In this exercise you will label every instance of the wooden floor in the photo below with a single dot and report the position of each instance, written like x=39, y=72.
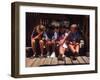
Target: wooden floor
x=36, y=62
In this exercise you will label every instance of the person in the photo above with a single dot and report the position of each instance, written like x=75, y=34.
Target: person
x=55, y=40
x=50, y=40
x=74, y=40
x=63, y=42
x=37, y=36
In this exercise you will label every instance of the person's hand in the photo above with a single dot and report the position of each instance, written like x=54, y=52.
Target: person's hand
x=71, y=43
x=77, y=43
x=41, y=33
x=66, y=34
x=49, y=42
x=38, y=37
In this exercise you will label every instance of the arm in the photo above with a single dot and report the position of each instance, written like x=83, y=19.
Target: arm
x=46, y=37
x=63, y=40
x=38, y=36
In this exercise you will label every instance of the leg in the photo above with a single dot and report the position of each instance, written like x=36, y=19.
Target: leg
x=53, y=45
x=61, y=50
x=61, y=53
x=48, y=45
x=33, y=46
x=41, y=46
x=72, y=48
x=77, y=48
x=53, y=49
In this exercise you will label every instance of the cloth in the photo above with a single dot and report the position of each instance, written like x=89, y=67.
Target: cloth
x=65, y=45
x=74, y=37
x=34, y=34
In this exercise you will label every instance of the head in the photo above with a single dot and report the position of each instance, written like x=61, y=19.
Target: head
x=50, y=29
x=73, y=28
x=62, y=29
x=40, y=28
x=67, y=29
x=56, y=29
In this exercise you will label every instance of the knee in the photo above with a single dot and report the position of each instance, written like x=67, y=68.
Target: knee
x=33, y=41
x=48, y=42
x=41, y=42
x=70, y=45
x=61, y=50
x=53, y=42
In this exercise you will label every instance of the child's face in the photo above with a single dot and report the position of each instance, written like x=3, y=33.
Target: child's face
x=73, y=28
x=67, y=30
x=38, y=31
x=62, y=30
x=56, y=29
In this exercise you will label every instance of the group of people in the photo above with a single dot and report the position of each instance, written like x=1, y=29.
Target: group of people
x=56, y=36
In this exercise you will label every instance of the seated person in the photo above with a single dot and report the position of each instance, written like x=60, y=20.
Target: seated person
x=56, y=40
x=74, y=40
x=62, y=43
x=51, y=37
x=37, y=35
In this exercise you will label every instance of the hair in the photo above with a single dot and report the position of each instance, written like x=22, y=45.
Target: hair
x=40, y=27
x=74, y=26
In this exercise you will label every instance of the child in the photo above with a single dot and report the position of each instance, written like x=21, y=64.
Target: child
x=62, y=43
x=37, y=35
x=50, y=41
x=74, y=39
